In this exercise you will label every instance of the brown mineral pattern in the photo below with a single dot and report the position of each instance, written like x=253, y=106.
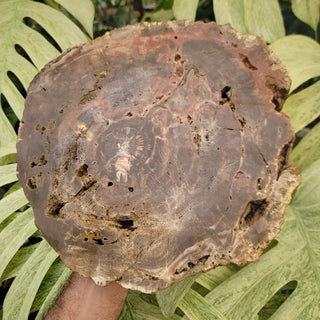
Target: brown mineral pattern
x=158, y=151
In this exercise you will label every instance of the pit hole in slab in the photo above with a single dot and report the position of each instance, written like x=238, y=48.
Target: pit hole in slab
x=197, y=140
x=279, y=94
x=232, y=107
x=254, y=211
x=130, y=189
x=98, y=241
x=242, y=122
x=129, y=114
x=31, y=183
x=95, y=237
x=150, y=277
x=61, y=109
x=72, y=154
x=54, y=206
x=178, y=271
x=91, y=94
x=34, y=181
x=225, y=95
x=200, y=261
x=179, y=71
x=126, y=224
x=277, y=300
x=283, y=157
x=276, y=103
x=40, y=128
x=203, y=259
x=40, y=162
x=82, y=171
x=247, y=62
x=189, y=119
x=177, y=57
x=90, y=184
x=110, y=184
x=51, y=125
x=260, y=184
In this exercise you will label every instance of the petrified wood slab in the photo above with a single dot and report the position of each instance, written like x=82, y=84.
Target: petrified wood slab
x=158, y=151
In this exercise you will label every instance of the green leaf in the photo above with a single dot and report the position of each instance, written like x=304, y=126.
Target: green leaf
x=51, y=287
x=11, y=203
x=169, y=299
x=8, y=174
x=82, y=10
x=14, y=235
x=15, y=187
x=8, y=136
x=163, y=4
x=303, y=107
x=300, y=55
x=185, y=9
x=162, y=15
x=22, y=292
x=257, y=17
x=264, y=19
x=295, y=258
x=230, y=11
x=137, y=308
x=17, y=262
x=213, y=278
x=54, y=293
x=308, y=11
x=196, y=307
x=127, y=312
x=15, y=32
x=308, y=149
x=8, y=153
x=279, y=298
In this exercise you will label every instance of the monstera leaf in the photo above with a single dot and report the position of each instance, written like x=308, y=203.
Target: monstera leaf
x=308, y=11
x=258, y=17
x=32, y=34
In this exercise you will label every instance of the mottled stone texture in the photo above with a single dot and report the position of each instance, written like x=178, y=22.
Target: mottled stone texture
x=158, y=151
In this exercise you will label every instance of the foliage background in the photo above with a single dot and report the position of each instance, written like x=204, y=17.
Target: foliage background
x=285, y=282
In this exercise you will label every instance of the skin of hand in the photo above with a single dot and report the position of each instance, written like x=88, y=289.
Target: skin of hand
x=83, y=299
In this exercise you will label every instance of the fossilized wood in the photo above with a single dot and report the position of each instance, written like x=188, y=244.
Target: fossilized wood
x=158, y=151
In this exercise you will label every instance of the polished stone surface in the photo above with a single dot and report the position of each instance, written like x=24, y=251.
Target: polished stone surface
x=158, y=151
